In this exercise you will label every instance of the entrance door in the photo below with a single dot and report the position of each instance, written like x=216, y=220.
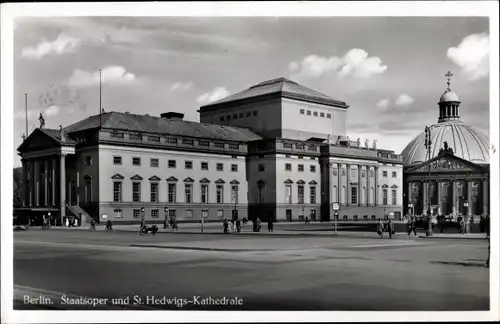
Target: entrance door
x=288, y=215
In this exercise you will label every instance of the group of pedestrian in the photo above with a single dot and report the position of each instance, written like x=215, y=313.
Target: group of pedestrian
x=233, y=225
x=387, y=226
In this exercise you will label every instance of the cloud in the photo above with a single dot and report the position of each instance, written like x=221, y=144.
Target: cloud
x=383, y=104
x=181, y=86
x=472, y=55
x=404, y=100
x=110, y=74
x=52, y=111
x=62, y=44
x=355, y=62
x=213, y=95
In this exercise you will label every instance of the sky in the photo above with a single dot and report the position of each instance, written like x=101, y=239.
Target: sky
x=390, y=71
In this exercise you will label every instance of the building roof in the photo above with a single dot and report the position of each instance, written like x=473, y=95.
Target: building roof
x=55, y=134
x=466, y=142
x=284, y=87
x=159, y=125
x=449, y=96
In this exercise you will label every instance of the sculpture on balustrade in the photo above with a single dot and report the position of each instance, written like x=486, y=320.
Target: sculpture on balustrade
x=374, y=144
x=41, y=120
x=366, y=143
x=337, y=141
x=358, y=142
x=445, y=149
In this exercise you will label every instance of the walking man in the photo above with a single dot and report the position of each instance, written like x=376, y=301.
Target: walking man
x=390, y=228
x=380, y=228
x=258, y=224
x=225, y=226
x=238, y=226
x=270, y=224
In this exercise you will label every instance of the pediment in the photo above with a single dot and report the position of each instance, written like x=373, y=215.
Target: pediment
x=154, y=178
x=288, y=181
x=205, y=180
x=136, y=177
x=172, y=179
x=446, y=163
x=313, y=182
x=234, y=182
x=219, y=181
x=189, y=179
x=38, y=140
x=118, y=177
x=301, y=182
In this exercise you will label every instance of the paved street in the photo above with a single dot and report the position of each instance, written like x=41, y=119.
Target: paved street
x=263, y=272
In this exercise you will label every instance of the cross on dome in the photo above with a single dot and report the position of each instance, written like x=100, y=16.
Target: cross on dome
x=448, y=75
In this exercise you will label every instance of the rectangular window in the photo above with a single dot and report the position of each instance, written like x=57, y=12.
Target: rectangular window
x=117, y=191
x=234, y=167
x=137, y=213
x=136, y=191
x=188, y=165
x=171, y=140
x=384, y=174
x=204, y=166
x=204, y=193
x=88, y=160
x=311, y=147
x=118, y=213
x=116, y=134
x=234, y=194
x=299, y=147
x=154, y=138
x=171, y=213
x=135, y=136
x=117, y=160
x=172, y=192
x=344, y=217
x=315, y=114
x=313, y=195
x=288, y=194
x=220, y=167
x=234, y=146
x=136, y=161
x=228, y=117
x=254, y=113
x=189, y=213
x=302, y=111
x=329, y=116
x=242, y=115
x=204, y=213
x=155, y=163
x=394, y=197
x=394, y=174
x=249, y=114
x=300, y=167
x=384, y=199
x=308, y=113
x=172, y=163
x=220, y=194
x=322, y=115
x=219, y=145
x=220, y=213
x=154, y=192
x=287, y=145
x=312, y=168
x=288, y=167
x=354, y=195
x=300, y=194
x=187, y=141
x=204, y=143
x=262, y=168
x=188, y=193
x=155, y=213
x=222, y=118
x=235, y=116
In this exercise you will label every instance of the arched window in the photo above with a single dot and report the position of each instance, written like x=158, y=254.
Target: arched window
x=335, y=194
x=344, y=195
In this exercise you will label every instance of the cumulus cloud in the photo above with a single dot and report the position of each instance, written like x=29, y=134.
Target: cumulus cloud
x=181, y=86
x=110, y=74
x=213, y=95
x=472, y=55
x=404, y=100
x=383, y=104
x=62, y=44
x=52, y=110
x=355, y=62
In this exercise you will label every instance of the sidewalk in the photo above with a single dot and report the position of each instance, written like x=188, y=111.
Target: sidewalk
x=468, y=236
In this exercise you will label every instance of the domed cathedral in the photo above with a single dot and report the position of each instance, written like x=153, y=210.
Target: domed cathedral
x=446, y=167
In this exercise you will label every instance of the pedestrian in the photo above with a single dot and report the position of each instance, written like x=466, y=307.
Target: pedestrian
x=462, y=226
x=270, y=224
x=307, y=220
x=390, y=228
x=232, y=225
x=225, y=225
x=258, y=224
x=238, y=226
x=165, y=224
x=380, y=228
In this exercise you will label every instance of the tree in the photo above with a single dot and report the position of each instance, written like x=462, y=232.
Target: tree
x=18, y=185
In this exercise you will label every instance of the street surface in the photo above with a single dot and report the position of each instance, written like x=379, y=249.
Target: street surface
x=253, y=272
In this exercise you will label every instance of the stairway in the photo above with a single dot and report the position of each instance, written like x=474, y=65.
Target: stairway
x=76, y=211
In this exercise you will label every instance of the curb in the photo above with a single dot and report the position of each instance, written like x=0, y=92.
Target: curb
x=452, y=238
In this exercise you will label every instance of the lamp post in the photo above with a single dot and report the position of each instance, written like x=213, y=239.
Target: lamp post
x=166, y=218
x=49, y=220
x=428, y=144
x=143, y=216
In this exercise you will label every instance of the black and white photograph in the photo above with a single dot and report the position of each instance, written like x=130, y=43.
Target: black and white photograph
x=223, y=160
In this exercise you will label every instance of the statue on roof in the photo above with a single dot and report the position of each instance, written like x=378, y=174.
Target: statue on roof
x=61, y=134
x=374, y=144
x=358, y=142
x=41, y=120
x=24, y=137
x=446, y=149
x=366, y=143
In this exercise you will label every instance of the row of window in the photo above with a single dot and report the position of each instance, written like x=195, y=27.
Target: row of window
x=315, y=113
x=155, y=213
x=288, y=167
x=239, y=115
x=394, y=174
x=188, y=165
x=300, y=194
x=172, y=192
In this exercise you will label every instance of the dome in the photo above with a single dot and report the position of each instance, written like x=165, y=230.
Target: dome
x=466, y=142
x=449, y=96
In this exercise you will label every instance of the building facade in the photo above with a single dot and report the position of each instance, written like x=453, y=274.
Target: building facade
x=276, y=150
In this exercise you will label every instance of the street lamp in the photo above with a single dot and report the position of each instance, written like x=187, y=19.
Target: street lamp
x=166, y=214
x=143, y=216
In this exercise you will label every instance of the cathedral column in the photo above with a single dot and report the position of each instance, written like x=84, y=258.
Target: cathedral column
x=53, y=181
x=469, y=198
x=439, y=184
x=348, y=185
x=37, y=182
x=46, y=182
x=62, y=186
x=25, y=183
x=375, y=186
x=486, y=191
x=368, y=169
x=454, y=197
x=360, y=197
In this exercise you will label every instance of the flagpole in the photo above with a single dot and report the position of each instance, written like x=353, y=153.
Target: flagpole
x=26, y=106
x=100, y=98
